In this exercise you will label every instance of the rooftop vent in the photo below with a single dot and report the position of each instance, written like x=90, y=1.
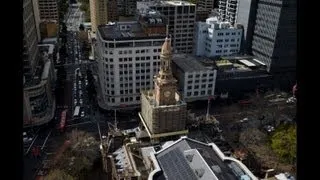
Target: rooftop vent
x=199, y=172
x=189, y=157
x=216, y=169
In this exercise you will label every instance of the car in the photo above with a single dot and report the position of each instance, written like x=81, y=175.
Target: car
x=81, y=101
x=79, y=82
x=80, y=92
x=269, y=128
x=244, y=120
x=26, y=139
x=82, y=114
x=75, y=101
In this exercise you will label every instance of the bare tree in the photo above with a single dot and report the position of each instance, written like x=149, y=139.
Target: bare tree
x=58, y=174
x=81, y=154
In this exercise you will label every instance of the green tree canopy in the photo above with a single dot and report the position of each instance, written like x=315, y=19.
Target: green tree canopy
x=284, y=143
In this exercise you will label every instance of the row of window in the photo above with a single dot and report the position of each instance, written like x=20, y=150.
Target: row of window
x=185, y=22
x=202, y=86
x=134, y=44
x=227, y=45
x=198, y=75
x=197, y=93
x=225, y=51
x=228, y=33
x=129, y=99
x=227, y=40
x=198, y=81
x=184, y=26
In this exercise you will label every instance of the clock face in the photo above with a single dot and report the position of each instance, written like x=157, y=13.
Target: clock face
x=167, y=93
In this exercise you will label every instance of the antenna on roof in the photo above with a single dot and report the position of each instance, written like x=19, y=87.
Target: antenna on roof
x=167, y=31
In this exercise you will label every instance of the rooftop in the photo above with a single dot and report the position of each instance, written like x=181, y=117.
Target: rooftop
x=188, y=159
x=189, y=63
x=125, y=31
x=241, y=63
x=167, y=3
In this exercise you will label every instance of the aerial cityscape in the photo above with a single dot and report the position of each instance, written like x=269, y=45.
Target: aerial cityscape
x=159, y=89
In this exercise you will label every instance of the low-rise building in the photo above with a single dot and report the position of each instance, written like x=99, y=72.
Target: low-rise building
x=38, y=99
x=196, y=80
x=182, y=159
x=49, y=28
x=240, y=74
x=217, y=38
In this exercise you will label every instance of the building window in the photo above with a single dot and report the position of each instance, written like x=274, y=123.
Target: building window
x=196, y=93
x=189, y=87
x=196, y=87
x=203, y=92
x=138, y=98
x=203, y=86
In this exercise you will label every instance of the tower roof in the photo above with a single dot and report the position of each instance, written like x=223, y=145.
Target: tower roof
x=166, y=47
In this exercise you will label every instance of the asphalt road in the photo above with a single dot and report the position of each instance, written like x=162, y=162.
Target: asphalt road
x=47, y=137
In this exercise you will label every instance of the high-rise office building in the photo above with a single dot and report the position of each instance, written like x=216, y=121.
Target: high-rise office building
x=48, y=10
x=30, y=40
x=274, y=37
x=181, y=17
x=204, y=8
x=112, y=11
x=228, y=10
x=98, y=13
x=246, y=16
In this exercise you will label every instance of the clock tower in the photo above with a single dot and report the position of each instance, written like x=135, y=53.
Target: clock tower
x=163, y=112
x=165, y=83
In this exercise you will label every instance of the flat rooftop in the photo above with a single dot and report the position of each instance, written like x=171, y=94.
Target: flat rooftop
x=113, y=32
x=189, y=63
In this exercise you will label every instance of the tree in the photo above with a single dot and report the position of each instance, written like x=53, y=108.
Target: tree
x=284, y=143
x=58, y=174
x=80, y=157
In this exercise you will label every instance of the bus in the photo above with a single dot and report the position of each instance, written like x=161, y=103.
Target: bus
x=63, y=120
x=76, y=112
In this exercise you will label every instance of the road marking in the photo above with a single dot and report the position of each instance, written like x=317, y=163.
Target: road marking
x=31, y=144
x=79, y=124
x=45, y=141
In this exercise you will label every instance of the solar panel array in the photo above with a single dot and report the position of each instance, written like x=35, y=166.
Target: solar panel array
x=175, y=166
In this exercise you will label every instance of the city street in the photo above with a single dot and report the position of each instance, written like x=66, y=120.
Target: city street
x=47, y=138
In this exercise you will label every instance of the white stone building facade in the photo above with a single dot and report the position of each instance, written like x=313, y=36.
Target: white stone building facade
x=126, y=66
x=216, y=38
